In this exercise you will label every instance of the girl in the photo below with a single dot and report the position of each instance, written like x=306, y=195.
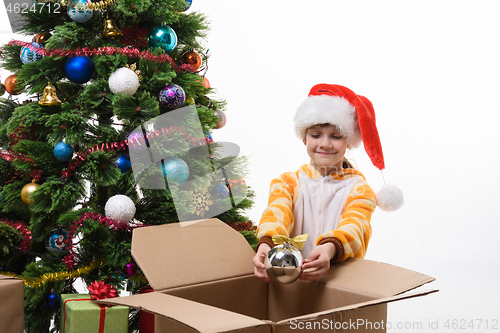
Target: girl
x=327, y=198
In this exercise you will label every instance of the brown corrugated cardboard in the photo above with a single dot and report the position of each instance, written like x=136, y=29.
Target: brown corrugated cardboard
x=202, y=274
x=11, y=304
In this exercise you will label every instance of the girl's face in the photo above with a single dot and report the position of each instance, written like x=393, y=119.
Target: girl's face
x=326, y=146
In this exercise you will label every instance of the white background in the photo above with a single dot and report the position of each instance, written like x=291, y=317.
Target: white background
x=431, y=69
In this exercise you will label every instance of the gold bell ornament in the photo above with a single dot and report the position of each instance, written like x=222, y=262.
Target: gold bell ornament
x=110, y=29
x=49, y=97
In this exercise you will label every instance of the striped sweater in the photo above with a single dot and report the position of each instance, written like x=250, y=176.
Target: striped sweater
x=336, y=208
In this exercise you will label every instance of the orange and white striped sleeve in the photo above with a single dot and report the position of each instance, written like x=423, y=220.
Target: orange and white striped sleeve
x=354, y=230
x=277, y=218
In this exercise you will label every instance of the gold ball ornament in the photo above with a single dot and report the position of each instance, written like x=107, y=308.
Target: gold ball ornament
x=2, y=89
x=27, y=190
x=42, y=37
x=11, y=85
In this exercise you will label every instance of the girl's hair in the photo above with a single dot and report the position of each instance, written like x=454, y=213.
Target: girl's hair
x=346, y=164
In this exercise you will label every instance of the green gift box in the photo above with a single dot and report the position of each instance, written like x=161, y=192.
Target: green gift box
x=79, y=314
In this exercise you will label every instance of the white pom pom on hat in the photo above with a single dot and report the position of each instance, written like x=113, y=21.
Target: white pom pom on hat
x=355, y=117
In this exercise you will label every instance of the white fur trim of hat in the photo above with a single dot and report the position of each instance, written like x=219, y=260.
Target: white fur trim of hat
x=333, y=110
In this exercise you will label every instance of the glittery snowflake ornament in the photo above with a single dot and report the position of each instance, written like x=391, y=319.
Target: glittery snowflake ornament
x=120, y=208
x=124, y=81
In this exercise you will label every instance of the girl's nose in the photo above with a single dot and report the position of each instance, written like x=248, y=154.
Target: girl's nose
x=325, y=142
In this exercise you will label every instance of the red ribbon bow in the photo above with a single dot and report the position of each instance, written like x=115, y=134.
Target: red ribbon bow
x=100, y=290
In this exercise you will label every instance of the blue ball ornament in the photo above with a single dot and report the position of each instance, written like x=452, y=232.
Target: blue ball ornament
x=162, y=36
x=175, y=169
x=188, y=5
x=79, y=11
x=79, y=69
x=172, y=97
x=208, y=137
x=63, y=152
x=29, y=55
x=123, y=163
x=52, y=300
x=222, y=191
x=57, y=242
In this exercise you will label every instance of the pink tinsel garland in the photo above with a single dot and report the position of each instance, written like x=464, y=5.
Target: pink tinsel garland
x=107, y=50
x=23, y=229
x=70, y=258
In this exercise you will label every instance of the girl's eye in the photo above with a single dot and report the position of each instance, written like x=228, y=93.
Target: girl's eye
x=315, y=136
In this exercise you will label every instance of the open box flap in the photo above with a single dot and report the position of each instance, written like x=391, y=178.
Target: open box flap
x=200, y=317
x=181, y=254
x=373, y=278
x=6, y=277
x=358, y=306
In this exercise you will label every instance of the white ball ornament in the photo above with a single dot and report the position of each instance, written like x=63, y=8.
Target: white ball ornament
x=120, y=208
x=124, y=81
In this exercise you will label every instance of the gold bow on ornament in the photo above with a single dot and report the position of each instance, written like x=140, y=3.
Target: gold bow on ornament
x=297, y=241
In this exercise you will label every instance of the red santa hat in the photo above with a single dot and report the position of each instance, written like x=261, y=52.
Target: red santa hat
x=354, y=116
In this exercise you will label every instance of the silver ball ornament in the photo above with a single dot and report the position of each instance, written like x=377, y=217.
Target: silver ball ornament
x=283, y=263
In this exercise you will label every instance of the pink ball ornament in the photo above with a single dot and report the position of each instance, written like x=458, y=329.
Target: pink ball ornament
x=130, y=269
x=222, y=121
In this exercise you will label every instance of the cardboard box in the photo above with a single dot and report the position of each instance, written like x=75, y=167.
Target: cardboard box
x=146, y=319
x=79, y=314
x=11, y=304
x=202, y=274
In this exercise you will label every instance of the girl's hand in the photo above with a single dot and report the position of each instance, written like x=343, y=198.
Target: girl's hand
x=258, y=262
x=318, y=262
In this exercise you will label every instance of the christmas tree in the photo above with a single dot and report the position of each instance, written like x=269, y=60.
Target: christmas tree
x=115, y=134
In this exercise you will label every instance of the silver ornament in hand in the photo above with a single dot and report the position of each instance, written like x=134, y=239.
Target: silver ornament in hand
x=283, y=261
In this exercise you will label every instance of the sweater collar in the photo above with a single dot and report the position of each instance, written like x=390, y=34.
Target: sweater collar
x=313, y=173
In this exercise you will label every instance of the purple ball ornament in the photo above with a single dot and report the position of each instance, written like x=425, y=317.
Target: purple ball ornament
x=130, y=269
x=172, y=97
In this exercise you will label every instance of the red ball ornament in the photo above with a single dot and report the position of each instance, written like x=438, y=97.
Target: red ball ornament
x=206, y=83
x=192, y=58
x=222, y=121
x=11, y=85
